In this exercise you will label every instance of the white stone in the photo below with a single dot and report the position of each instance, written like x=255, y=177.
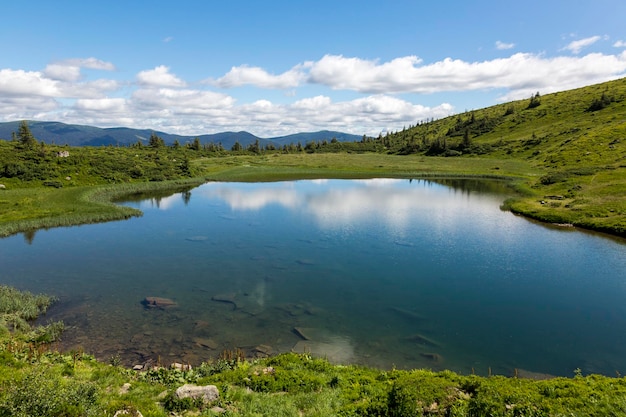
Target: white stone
x=208, y=393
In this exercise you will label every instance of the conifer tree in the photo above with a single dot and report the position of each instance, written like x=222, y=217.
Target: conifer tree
x=25, y=136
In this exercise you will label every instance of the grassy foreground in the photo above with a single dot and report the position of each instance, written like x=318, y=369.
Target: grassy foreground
x=37, y=381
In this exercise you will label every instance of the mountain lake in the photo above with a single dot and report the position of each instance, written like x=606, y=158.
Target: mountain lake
x=382, y=272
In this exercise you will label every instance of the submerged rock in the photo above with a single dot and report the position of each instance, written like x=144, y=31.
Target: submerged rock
x=207, y=343
x=158, y=302
x=407, y=314
x=263, y=351
x=422, y=340
x=302, y=332
x=435, y=357
x=226, y=298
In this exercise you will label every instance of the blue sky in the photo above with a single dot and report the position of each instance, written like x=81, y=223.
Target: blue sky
x=279, y=67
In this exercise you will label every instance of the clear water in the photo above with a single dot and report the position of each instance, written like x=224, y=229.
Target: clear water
x=378, y=272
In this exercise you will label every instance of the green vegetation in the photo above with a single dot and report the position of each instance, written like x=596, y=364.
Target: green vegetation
x=565, y=153
x=37, y=381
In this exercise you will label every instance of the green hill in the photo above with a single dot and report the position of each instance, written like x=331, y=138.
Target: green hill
x=577, y=138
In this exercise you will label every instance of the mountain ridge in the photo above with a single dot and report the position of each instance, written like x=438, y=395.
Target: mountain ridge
x=85, y=135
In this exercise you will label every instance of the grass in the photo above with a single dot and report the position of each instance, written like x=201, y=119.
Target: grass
x=74, y=384
x=29, y=209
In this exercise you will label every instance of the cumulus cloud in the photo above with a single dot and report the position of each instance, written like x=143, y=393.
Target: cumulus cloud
x=503, y=46
x=519, y=71
x=243, y=75
x=620, y=44
x=27, y=83
x=577, y=46
x=70, y=69
x=160, y=77
x=385, y=95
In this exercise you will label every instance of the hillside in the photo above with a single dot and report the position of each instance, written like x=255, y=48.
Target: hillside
x=80, y=135
x=577, y=138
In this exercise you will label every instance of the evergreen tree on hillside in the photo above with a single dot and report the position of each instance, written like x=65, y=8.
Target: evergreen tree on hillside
x=25, y=136
x=155, y=141
x=535, y=101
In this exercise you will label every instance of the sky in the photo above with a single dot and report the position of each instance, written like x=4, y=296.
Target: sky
x=275, y=68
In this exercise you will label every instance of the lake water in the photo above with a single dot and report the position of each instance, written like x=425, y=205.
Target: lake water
x=379, y=272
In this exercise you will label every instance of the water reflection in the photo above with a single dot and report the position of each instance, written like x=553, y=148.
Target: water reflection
x=382, y=272
x=384, y=200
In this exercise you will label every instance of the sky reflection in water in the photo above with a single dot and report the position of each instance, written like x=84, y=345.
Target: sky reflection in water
x=382, y=272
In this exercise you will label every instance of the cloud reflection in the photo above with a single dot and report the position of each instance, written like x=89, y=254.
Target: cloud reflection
x=343, y=203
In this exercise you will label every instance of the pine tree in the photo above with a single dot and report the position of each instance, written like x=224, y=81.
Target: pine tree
x=25, y=136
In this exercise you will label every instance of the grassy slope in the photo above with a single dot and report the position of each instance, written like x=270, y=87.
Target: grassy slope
x=581, y=153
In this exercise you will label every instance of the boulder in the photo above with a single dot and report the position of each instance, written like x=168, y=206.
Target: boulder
x=207, y=393
x=158, y=302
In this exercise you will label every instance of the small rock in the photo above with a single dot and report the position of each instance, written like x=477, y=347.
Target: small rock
x=3, y=187
x=180, y=366
x=132, y=411
x=218, y=410
x=125, y=388
x=208, y=393
x=138, y=368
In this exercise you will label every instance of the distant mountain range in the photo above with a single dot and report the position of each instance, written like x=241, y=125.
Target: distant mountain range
x=79, y=135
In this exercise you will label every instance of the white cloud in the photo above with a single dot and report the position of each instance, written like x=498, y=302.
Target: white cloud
x=91, y=63
x=519, y=71
x=70, y=69
x=620, y=44
x=361, y=75
x=503, y=46
x=26, y=83
x=101, y=105
x=577, y=46
x=159, y=77
x=62, y=72
x=168, y=39
x=382, y=94
x=243, y=75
